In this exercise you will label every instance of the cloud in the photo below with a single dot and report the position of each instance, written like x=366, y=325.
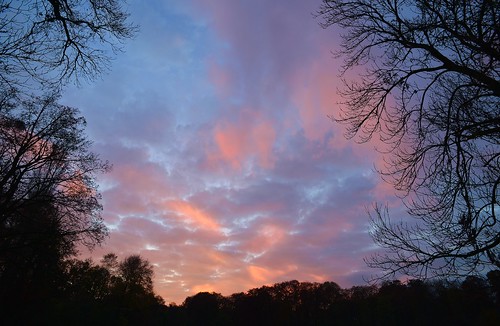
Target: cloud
x=227, y=172
x=193, y=215
x=247, y=138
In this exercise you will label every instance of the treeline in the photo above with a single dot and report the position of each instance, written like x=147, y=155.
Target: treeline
x=113, y=292
x=81, y=292
x=475, y=301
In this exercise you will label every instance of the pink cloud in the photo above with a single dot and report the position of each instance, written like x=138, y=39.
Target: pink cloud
x=267, y=237
x=249, y=138
x=260, y=275
x=228, y=174
x=232, y=144
x=192, y=214
x=313, y=93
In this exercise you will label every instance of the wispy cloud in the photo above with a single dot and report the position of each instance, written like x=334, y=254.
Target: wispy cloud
x=228, y=173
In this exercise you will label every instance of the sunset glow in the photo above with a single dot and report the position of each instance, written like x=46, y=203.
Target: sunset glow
x=227, y=172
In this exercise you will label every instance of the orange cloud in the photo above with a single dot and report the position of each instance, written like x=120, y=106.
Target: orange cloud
x=272, y=234
x=203, y=288
x=259, y=274
x=267, y=237
x=242, y=141
x=231, y=142
x=194, y=215
x=262, y=275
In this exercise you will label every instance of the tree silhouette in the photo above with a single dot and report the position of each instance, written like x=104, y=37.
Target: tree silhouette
x=32, y=250
x=131, y=293
x=48, y=200
x=45, y=158
x=430, y=91
x=494, y=281
x=416, y=302
x=50, y=41
x=87, y=281
x=136, y=275
x=116, y=293
x=205, y=308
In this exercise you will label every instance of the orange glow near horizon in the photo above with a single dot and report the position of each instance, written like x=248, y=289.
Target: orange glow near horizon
x=228, y=173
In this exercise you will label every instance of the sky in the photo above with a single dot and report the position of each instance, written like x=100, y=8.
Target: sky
x=227, y=172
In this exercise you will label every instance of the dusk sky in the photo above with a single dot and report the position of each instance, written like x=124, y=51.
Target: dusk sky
x=227, y=172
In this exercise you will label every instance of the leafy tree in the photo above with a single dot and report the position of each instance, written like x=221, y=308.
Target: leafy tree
x=131, y=294
x=430, y=91
x=110, y=263
x=205, y=308
x=50, y=41
x=87, y=281
x=106, y=294
x=416, y=302
x=136, y=274
x=32, y=251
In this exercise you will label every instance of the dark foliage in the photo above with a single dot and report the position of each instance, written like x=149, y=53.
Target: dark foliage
x=470, y=302
x=49, y=201
x=83, y=293
x=46, y=168
x=110, y=294
x=48, y=197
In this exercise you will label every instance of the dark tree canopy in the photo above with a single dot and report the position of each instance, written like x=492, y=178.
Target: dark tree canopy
x=431, y=92
x=78, y=292
x=48, y=196
x=31, y=250
x=136, y=274
x=440, y=302
x=45, y=162
x=49, y=200
x=129, y=279
x=50, y=41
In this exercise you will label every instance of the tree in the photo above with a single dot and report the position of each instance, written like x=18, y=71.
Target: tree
x=108, y=294
x=32, y=249
x=47, y=178
x=48, y=195
x=44, y=156
x=129, y=279
x=131, y=294
x=86, y=281
x=136, y=274
x=110, y=262
x=51, y=41
x=205, y=308
x=431, y=92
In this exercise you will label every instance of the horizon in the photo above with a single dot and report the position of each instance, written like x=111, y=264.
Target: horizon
x=227, y=172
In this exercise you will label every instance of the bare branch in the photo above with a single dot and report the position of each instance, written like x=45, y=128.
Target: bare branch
x=438, y=64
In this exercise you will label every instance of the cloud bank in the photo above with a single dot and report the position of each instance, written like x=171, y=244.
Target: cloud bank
x=228, y=173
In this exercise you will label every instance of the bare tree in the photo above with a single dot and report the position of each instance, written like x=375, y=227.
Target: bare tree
x=48, y=42
x=44, y=155
x=45, y=162
x=430, y=90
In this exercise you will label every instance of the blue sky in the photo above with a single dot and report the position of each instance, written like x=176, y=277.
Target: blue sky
x=228, y=173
